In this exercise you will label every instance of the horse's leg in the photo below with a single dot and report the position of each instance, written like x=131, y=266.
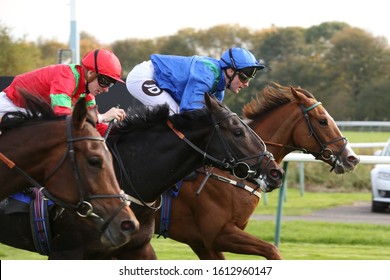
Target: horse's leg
x=234, y=240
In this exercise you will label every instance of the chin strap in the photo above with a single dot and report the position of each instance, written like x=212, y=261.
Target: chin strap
x=229, y=77
x=86, y=87
x=90, y=79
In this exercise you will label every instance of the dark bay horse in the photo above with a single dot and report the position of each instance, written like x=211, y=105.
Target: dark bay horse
x=213, y=222
x=66, y=160
x=153, y=151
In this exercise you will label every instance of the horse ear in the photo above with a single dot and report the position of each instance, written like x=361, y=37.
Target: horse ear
x=79, y=114
x=294, y=93
x=210, y=102
x=92, y=115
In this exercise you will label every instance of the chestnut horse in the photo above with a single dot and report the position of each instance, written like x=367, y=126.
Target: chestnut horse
x=152, y=152
x=66, y=160
x=213, y=222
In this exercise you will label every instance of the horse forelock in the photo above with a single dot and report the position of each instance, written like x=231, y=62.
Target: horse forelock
x=271, y=97
x=142, y=117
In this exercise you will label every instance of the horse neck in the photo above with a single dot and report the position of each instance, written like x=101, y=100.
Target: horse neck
x=154, y=159
x=277, y=128
x=30, y=148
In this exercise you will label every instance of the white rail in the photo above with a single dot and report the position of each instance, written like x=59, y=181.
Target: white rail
x=363, y=159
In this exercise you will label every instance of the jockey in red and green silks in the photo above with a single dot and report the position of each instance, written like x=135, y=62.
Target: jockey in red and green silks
x=62, y=85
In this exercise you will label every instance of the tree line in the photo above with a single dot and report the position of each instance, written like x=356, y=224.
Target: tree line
x=346, y=68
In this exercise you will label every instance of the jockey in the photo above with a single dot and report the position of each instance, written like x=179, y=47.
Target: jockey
x=62, y=85
x=182, y=81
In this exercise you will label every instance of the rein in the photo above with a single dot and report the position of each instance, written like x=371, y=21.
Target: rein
x=230, y=162
x=205, y=155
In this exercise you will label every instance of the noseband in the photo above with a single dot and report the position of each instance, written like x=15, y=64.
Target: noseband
x=325, y=153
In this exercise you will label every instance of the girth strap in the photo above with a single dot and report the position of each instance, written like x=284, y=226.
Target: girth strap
x=165, y=214
x=40, y=223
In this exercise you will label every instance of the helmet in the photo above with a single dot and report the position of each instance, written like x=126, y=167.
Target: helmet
x=238, y=59
x=103, y=62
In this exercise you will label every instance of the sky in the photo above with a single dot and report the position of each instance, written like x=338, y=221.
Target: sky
x=111, y=20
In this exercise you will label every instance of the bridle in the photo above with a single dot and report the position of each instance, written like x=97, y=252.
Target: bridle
x=230, y=162
x=325, y=153
x=83, y=208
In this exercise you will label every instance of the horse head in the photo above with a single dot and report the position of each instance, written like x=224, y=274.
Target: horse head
x=242, y=151
x=68, y=161
x=298, y=113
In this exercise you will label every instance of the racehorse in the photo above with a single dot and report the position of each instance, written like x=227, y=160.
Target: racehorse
x=213, y=221
x=66, y=160
x=153, y=151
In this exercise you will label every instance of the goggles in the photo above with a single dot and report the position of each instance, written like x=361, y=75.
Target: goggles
x=244, y=78
x=105, y=82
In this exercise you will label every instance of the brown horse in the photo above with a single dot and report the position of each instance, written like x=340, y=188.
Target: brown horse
x=153, y=151
x=213, y=222
x=66, y=160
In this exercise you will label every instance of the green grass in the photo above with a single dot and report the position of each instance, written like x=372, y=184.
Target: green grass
x=296, y=203
x=307, y=241
x=366, y=136
x=300, y=240
x=10, y=253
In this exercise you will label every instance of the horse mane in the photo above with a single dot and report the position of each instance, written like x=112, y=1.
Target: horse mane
x=185, y=118
x=271, y=97
x=141, y=117
x=37, y=110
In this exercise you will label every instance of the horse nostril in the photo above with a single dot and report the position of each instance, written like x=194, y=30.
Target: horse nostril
x=353, y=159
x=276, y=173
x=130, y=226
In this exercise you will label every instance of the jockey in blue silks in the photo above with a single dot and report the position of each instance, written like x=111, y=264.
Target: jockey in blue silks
x=182, y=81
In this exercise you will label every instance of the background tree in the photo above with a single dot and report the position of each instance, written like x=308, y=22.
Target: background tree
x=49, y=51
x=16, y=56
x=345, y=67
x=132, y=52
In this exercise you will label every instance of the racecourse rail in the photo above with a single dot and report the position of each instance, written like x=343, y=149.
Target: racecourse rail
x=301, y=158
x=363, y=159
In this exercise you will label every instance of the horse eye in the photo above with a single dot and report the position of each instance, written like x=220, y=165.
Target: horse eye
x=95, y=162
x=323, y=122
x=237, y=132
